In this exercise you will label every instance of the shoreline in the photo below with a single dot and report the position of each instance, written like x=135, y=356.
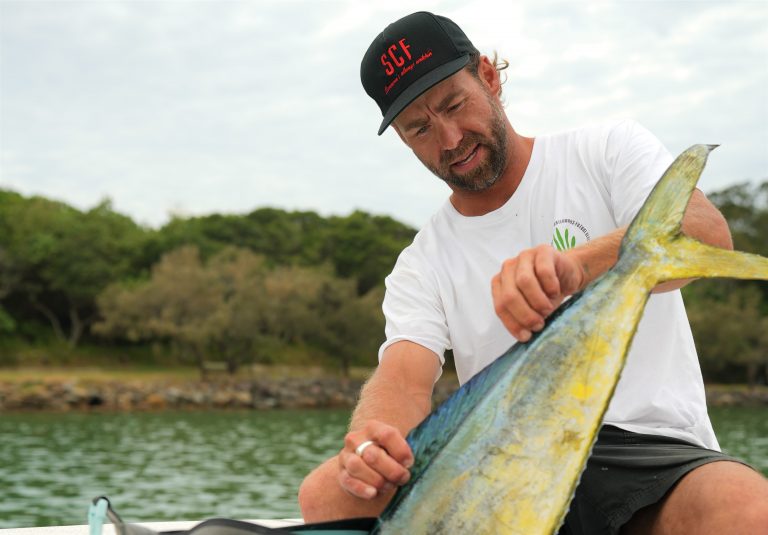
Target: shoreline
x=73, y=394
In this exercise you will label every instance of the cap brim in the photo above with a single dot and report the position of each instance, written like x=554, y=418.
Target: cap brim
x=420, y=86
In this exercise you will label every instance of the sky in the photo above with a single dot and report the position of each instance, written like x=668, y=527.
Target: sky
x=191, y=107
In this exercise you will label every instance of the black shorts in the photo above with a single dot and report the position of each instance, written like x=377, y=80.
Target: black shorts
x=626, y=472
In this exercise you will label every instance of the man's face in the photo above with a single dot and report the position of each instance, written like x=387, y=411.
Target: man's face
x=457, y=130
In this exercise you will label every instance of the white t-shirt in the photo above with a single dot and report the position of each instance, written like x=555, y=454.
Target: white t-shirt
x=579, y=185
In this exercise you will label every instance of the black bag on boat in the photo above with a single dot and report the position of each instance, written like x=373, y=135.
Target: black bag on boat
x=102, y=510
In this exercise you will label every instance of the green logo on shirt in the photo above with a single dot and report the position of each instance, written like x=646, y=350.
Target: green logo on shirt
x=563, y=242
x=564, y=236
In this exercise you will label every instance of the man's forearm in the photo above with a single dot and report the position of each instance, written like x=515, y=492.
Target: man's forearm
x=597, y=256
x=389, y=399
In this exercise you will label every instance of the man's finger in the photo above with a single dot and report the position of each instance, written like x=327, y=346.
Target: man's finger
x=384, y=465
x=569, y=273
x=355, y=487
x=502, y=311
x=510, y=296
x=392, y=441
x=546, y=272
x=527, y=280
x=358, y=469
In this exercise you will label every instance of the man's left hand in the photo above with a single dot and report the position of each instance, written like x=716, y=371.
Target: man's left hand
x=530, y=287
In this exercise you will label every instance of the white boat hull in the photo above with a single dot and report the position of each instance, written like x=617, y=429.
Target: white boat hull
x=157, y=526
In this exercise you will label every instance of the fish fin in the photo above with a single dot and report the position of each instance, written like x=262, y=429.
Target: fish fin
x=663, y=211
x=689, y=258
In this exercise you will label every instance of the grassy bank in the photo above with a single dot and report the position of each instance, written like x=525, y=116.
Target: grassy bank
x=130, y=373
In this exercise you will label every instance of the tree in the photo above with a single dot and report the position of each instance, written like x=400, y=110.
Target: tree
x=238, y=329
x=280, y=237
x=7, y=283
x=359, y=246
x=731, y=331
x=745, y=207
x=352, y=326
x=60, y=259
x=204, y=311
x=366, y=247
x=235, y=309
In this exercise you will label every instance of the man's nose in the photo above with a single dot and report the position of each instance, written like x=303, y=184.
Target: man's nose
x=449, y=135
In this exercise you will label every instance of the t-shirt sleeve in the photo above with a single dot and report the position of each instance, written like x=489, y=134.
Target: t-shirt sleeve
x=412, y=308
x=635, y=160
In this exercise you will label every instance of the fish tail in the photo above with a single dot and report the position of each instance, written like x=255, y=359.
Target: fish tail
x=657, y=226
x=689, y=258
x=662, y=214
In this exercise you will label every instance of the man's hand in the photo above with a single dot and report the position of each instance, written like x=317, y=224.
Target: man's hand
x=399, y=393
x=382, y=466
x=530, y=287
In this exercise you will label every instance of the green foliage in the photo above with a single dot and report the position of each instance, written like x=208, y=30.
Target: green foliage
x=351, y=327
x=7, y=323
x=730, y=330
x=366, y=247
x=54, y=259
x=359, y=246
x=233, y=308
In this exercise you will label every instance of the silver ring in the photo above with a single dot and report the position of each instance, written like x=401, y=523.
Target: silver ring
x=361, y=448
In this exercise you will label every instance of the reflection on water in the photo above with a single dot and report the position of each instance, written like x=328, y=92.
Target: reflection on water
x=194, y=465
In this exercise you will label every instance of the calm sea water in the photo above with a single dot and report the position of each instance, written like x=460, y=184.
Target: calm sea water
x=193, y=465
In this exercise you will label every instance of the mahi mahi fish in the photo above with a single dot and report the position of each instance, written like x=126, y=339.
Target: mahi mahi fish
x=504, y=454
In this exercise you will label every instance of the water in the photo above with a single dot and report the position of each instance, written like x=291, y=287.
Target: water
x=194, y=465
x=160, y=466
x=743, y=433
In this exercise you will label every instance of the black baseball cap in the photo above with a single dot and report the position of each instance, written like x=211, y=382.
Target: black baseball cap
x=410, y=56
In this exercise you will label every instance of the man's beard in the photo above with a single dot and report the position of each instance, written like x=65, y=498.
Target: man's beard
x=488, y=172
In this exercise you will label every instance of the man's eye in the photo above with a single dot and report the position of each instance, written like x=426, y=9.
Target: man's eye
x=423, y=130
x=455, y=106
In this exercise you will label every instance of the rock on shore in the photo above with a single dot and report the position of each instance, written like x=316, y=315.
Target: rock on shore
x=225, y=393
x=220, y=393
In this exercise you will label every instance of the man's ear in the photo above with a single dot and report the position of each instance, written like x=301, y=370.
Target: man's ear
x=489, y=75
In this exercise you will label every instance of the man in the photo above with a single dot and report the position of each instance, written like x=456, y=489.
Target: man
x=482, y=273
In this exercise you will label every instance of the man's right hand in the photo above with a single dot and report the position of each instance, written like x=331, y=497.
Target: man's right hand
x=399, y=392
x=383, y=465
